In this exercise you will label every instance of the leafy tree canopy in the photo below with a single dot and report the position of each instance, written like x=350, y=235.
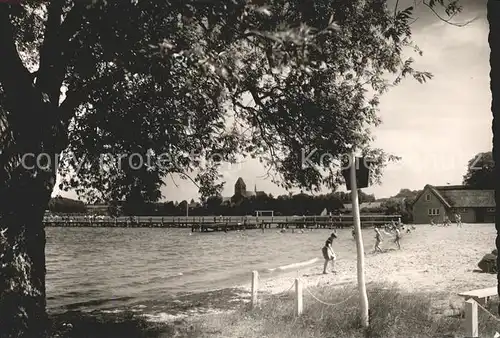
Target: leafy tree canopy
x=480, y=173
x=188, y=84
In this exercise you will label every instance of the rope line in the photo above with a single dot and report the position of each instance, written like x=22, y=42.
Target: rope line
x=268, y=296
x=488, y=312
x=264, y=296
x=325, y=303
x=291, y=286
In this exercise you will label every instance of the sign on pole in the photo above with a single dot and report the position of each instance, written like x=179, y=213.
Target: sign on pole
x=362, y=169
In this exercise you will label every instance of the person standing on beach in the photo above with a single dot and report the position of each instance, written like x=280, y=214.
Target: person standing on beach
x=446, y=221
x=458, y=219
x=397, y=238
x=378, y=240
x=328, y=253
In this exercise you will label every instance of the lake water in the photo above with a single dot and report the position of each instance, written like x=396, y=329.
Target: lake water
x=168, y=270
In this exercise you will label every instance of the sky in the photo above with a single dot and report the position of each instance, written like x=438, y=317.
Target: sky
x=436, y=128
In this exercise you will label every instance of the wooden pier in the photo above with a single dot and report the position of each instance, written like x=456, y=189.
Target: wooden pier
x=217, y=223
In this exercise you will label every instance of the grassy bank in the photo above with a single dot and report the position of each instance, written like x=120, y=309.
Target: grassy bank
x=393, y=314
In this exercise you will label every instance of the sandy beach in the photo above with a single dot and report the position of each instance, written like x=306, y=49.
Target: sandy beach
x=432, y=259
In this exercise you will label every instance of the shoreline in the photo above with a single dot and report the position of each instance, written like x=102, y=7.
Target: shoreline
x=421, y=266
x=433, y=260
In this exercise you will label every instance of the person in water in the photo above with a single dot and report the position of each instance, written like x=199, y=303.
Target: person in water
x=378, y=240
x=328, y=252
x=397, y=238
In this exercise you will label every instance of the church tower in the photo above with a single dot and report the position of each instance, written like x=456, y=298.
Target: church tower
x=240, y=188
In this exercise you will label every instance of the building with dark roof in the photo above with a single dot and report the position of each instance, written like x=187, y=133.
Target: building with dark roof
x=436, y=202
x=241, y=192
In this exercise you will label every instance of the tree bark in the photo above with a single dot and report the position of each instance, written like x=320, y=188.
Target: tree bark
x=29, y=125
x=494, y=42
x=22, y=254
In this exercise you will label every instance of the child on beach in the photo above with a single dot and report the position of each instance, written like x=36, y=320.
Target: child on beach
x=378, y=240
x=328, y=252
x=397, y=238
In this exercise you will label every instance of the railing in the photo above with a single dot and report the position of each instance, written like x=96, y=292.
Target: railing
x=251, y=220
x=300, y=287
x=471, y=318
x=471, y=306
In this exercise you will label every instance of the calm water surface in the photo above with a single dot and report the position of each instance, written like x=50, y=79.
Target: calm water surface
x=106, y=268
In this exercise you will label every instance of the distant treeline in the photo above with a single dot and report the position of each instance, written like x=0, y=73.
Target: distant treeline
x=299, y=204
x=61, y=205
x=286, y=205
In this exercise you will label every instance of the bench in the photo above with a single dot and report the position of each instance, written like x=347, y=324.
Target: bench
x=481, y=295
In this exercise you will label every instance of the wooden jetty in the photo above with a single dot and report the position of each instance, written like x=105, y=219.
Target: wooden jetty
x=217, y=223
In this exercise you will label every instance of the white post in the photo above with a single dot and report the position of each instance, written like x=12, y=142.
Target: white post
x=187, y=211
x=471, y=328
x=298, y=297
x=255, y=288
x=359, y=245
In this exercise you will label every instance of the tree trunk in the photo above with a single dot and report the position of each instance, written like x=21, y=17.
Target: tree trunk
x=22, y=254
x=494, y=41
x=31, y=124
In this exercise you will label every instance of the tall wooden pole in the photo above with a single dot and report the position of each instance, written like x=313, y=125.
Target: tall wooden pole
x=359, y=246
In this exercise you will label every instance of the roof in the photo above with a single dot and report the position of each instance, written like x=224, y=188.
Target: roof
x=454, y=196
x=470, y=198
x=452, y=187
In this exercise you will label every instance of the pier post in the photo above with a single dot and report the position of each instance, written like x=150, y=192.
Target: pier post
x=471, y=327
x=299, y=306
x=255, y=287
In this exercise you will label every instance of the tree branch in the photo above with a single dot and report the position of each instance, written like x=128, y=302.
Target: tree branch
x=73, y=100
x=188, y=177
x=73, y=22
x=76, y=97
x=51, y=70
x=259, y=102
x=14, y=76
x=448, y=21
